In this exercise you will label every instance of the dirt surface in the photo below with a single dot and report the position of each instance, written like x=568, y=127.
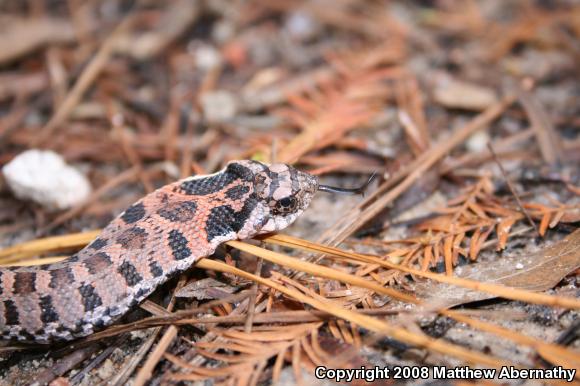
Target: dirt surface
x=467, y=112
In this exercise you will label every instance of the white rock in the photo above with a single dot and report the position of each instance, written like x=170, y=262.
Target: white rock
x=219, y=105
x=107, y=370
x=223, y=31
x=207, y=57
x=478, y=141
x=43, y=176
x=301, y=25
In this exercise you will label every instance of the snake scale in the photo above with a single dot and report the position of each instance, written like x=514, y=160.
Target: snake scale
x=162, y=234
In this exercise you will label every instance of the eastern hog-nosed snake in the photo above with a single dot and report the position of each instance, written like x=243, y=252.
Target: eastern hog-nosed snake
x=164, y=233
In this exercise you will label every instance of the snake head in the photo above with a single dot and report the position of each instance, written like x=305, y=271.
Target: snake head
x=277, y=195
x=286, y=192
x=281, y=192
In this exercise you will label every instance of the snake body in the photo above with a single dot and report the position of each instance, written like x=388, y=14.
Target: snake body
x=162, y=234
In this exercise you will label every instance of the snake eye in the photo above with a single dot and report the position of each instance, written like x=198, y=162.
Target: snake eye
x=288, y=202
x=285, y=205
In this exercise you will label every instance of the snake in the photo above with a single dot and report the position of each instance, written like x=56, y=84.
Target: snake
x=159, y=236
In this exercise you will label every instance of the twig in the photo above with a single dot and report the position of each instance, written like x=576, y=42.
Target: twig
x=129, y=151
x=129, y=368
x=185, y=318
x=375, y=203
x=548, y=139
x=87, y=78
x=78, y=377
x=13, y=120
x=187, y=150
x=122, y=376
x=511, y=187
x=146, y=371
x=252, y=299
x=278, y=93
x=66, y=364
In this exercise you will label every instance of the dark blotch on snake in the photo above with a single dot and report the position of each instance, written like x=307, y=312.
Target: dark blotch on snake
x=98, y=262
x=207, y=185
x=133, y=238
x=98, y=324
x=215, y=183
x=78, y=328
x=218, y=221
x=240, y=217
x=48, y=313
x=178, y=244
x=178, y=212
x=130, y=274
x=134, y=213
x=61, y=277
x=26, y=335
x=156, y=269
x=74, y=258
x=98, y=244
x=91, y=299
x=224, y=219
x=11, y=313
x=237, y=192
x=24, y=283
x=141, y=293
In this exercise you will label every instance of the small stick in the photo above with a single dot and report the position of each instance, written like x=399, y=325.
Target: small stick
x=408, y=175
x=78, y=377
x=510, y=186
x=66, y=364
x=145, y=373
x=252, y=300
x=85, y=80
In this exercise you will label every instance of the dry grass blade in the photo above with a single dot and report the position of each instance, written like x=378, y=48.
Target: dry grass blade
x=372, y=324
x=185, y=317
x=49, y=244
x=538, y=345
x=318, y=270
x=549, y=350
x=502, y=291
x=354, y=317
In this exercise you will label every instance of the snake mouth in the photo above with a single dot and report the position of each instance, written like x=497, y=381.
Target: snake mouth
x=360, y=190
